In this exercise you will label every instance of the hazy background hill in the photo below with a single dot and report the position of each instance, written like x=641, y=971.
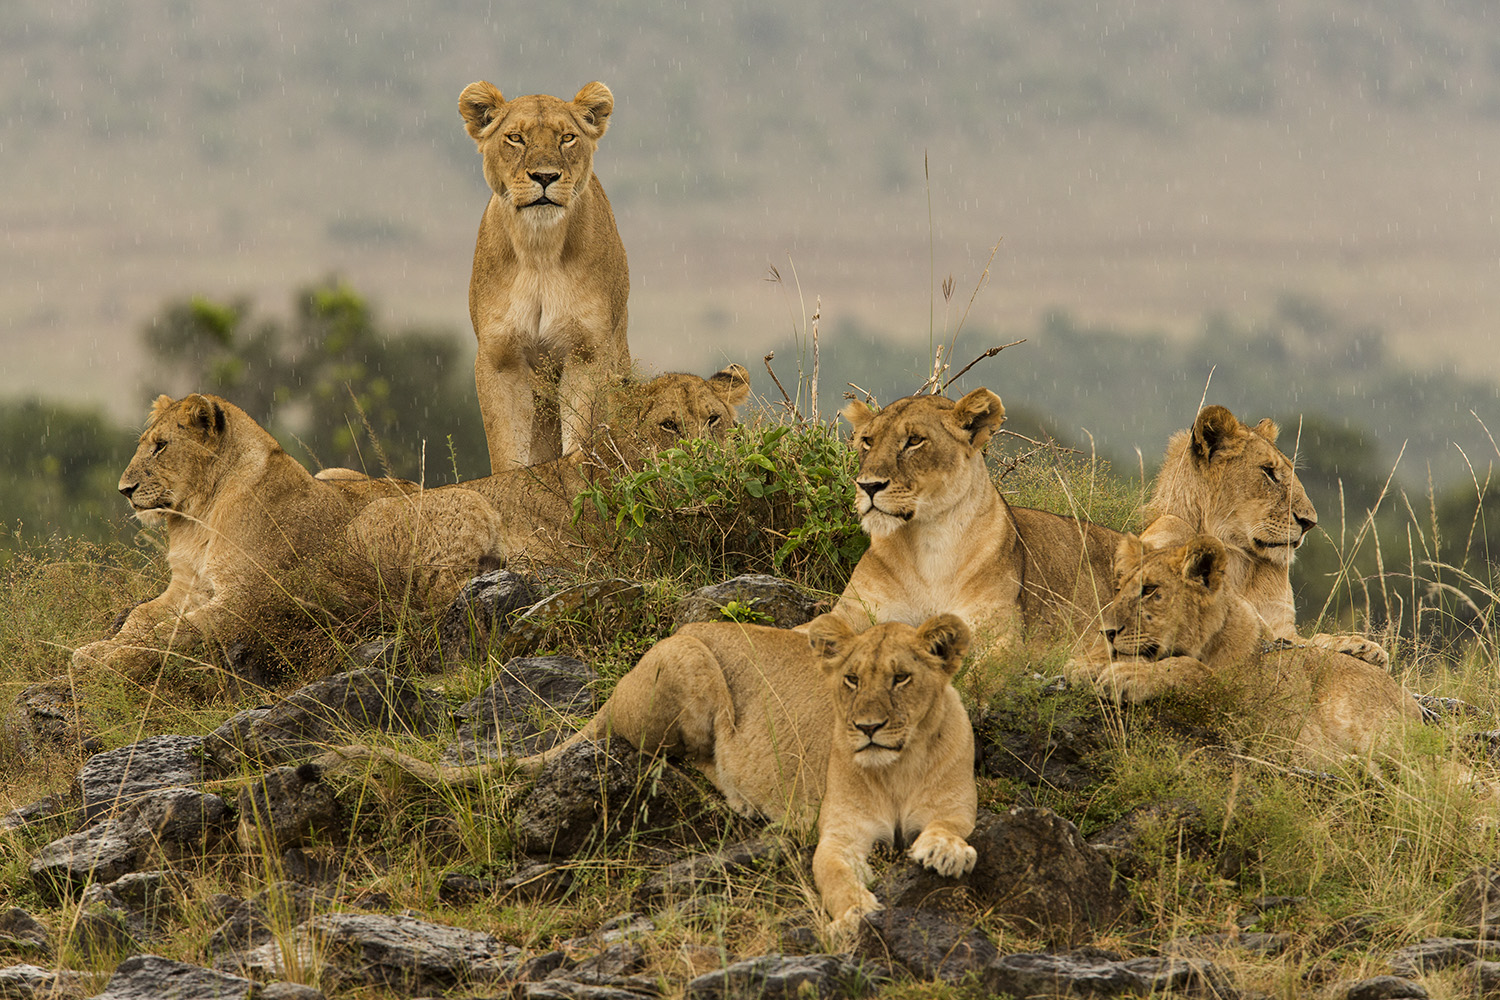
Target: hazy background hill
x=1165, y=171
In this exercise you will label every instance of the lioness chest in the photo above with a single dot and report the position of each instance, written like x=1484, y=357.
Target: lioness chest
x=547, y=310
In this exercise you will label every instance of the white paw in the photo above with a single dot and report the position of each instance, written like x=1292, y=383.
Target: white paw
x=947, y=855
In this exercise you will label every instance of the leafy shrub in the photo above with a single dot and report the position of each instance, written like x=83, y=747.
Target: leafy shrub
x=771, y=498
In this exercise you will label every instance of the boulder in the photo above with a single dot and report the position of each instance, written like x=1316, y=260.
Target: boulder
x=931, y=945
x=519, y=711
x=117, y=777
x=482, y=610
x=31, y=982
x=780, y=977
x=148, y=977
x=757, y=599
x=285, y=807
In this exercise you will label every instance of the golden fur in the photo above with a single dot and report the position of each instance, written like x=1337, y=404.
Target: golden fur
x=253, y=537
x=548, y=292
x=943, y=539
x=1227, y=478
x=1177, y=624
x=535, y=504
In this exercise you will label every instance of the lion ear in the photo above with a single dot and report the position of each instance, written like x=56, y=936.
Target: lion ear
x=857, y=413
x=979, y=415
x=1203, y=562
x=1267, y=429
x=1129, y=552
x=731, y=384
x=828, y=635
x=1214, y=426
x=947, y=638
x=204, y=414
x=479, y=105
x=595, y=104
x=163, y=404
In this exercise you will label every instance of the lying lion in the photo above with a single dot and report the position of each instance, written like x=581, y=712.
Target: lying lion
x=1229, y=479
x=253, y=538
x=942, y=538
x=865, y=726
x=548, y=292
x=1177, y=624
x=535, y=504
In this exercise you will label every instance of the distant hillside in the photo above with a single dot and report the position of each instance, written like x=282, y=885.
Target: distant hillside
x=1145, y=164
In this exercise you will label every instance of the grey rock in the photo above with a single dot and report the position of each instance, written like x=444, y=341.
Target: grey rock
x=783, y=604
x=1484, y=978
x=591, y=792
x=1435, y=709
x=286, y=807
x=1043, y=737
x=540, y=967
x=149, y=977
x=1183, y=976
x=102, y=932
x=165, y=824
x=932, y=945
x=519, y=711
x=329, y=712
x=225, y=749
x=1033, y=868
x=251, y=922
x=30, y=982
x=142, y=900
x=1386, y=988
x=1092, y=975
x=596, y=600
x=619, y=959
x=118, y=777
x=482, y=610
x=411, y=957
x=288, y=991
x=780, y=977
x=457, y=889
x=52, y=712
x=1441, y=953
x=708, y=873
x=584, y=987
x=22, y=935
x=1205, y=945
x=50, y=809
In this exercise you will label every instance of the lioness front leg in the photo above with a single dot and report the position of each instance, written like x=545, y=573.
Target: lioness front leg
x=841, y=875
x=1357, y=646
x=943, y=850
x=1135, y=680
x=503, y=381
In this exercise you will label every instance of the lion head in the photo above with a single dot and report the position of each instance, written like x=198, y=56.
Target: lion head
x=677, y=407
x=1229, y=479
x=1169, y=601
x=538, y=151
x=175, y=467
x=888, y=681
x=919, y=457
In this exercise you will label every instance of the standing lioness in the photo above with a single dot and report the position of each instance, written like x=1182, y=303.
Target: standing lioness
x=548, y=291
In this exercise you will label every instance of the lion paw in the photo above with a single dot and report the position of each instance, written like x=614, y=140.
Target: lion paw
x=1356, y=646
x=95, y=654
x=845, y=927
x=944, y=853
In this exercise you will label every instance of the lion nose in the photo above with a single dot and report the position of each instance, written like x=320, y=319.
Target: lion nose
x=873, y=487
x=1306, y=523
x=544, y=177
x=128, y=489
x=869, y=728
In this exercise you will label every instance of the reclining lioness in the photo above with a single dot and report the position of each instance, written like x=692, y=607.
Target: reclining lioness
x=865, y=726
x=1176, y=624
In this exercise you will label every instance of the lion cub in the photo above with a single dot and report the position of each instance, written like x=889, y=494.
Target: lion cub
x=1176, y=623
x=750, y=706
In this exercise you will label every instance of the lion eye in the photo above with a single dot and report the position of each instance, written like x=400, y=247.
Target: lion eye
x=899, y=680
x=713, y=420
x=914, y=441
x=670, y=426
x=1148, y=590
x=851, y=681
x=517, y=138
x=159, y=446
x=568, y=137
x=1270, y=471
x=863, y=444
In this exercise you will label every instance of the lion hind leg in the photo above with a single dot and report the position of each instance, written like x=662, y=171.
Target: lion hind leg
x=675, y=700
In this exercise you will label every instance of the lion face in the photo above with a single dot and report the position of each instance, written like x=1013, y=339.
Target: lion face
x=887, y=682
x=1252, y=498
x=913, y=455
x=538, y=151
x=1169, y=601
x=172, y=470
x=676, y=407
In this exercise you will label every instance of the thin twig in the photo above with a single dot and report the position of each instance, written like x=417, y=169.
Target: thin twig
x=817, y=313
x=789, y=404
x=987, y=354
x=869, y=396
x=1041, y=444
